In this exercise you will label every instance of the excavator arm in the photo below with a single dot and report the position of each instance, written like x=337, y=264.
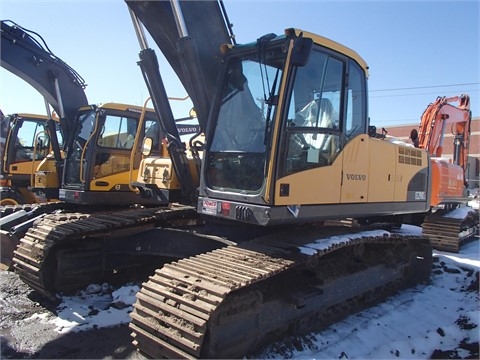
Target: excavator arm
x=189, y=34
x=25, y=54
x=193, y=51
x=442, y=116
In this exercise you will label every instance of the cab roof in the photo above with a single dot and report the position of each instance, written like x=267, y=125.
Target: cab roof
x=325, y=42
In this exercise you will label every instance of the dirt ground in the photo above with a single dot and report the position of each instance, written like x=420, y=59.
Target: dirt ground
x=38, y=340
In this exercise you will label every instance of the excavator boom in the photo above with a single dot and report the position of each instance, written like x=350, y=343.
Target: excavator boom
x=25, y=54
x=31, y=138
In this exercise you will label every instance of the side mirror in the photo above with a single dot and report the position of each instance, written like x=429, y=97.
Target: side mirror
x=147, y=146
x=236, y=77
x=301, y=51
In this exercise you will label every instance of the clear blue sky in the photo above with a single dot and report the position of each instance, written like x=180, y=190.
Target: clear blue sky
x=416, y=50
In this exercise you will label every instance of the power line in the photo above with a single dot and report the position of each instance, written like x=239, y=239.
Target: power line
x=415, y=94
x=425, y=87
x=399, y=121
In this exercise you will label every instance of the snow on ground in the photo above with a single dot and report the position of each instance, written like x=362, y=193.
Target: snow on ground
x=441, y=318
x=96, y=306
x=474, y=203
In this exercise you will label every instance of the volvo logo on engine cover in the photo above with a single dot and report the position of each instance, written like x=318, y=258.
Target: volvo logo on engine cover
x=358, y=177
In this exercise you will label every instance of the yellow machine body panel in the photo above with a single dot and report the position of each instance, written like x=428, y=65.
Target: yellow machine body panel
x=356, y=171
x=314, y=186
x=46, y=176
x=367, y=170
x=409, y=161
x=160, y=172
x=23, y=168
x=115, y=165
x=110, y=181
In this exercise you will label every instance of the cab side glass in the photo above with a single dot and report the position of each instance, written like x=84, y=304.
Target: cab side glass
x=356, y=122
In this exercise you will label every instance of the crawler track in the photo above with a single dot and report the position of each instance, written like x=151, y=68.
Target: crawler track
x=447, y=233
x=63, y=252
x=6, y=210
x=228, y=302
x=15, y=220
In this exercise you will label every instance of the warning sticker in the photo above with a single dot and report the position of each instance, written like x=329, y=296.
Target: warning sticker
x=209, y=207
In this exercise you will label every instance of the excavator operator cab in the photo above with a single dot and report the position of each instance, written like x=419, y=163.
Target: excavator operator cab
x=288, y=104
x=27, y=141
x=28, y=146
x=101, y=154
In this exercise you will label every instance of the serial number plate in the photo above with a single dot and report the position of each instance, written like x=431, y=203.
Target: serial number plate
x=420, y=195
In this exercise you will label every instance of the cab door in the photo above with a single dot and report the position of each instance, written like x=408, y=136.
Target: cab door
x=113, y=151
x=356, y=159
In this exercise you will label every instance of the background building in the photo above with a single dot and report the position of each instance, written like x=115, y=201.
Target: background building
x=402, y=132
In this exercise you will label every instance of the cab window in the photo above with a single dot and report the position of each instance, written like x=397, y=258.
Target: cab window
x=356, y=109
x=313, y=126
x=32, y=142
x=118, y=132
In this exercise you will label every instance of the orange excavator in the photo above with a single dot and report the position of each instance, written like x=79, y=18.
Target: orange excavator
x=449, y=224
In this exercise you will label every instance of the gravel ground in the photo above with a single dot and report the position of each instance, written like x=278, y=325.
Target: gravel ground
x=24, y=336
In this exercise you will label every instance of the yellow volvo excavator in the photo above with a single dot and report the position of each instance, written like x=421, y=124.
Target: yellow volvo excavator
x=87, y=157
x=106, y=167
x=27, y=145
x=287, y=146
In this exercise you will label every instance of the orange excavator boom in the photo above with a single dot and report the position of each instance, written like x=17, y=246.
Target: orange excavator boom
x=434, y=122
x=448, y=177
